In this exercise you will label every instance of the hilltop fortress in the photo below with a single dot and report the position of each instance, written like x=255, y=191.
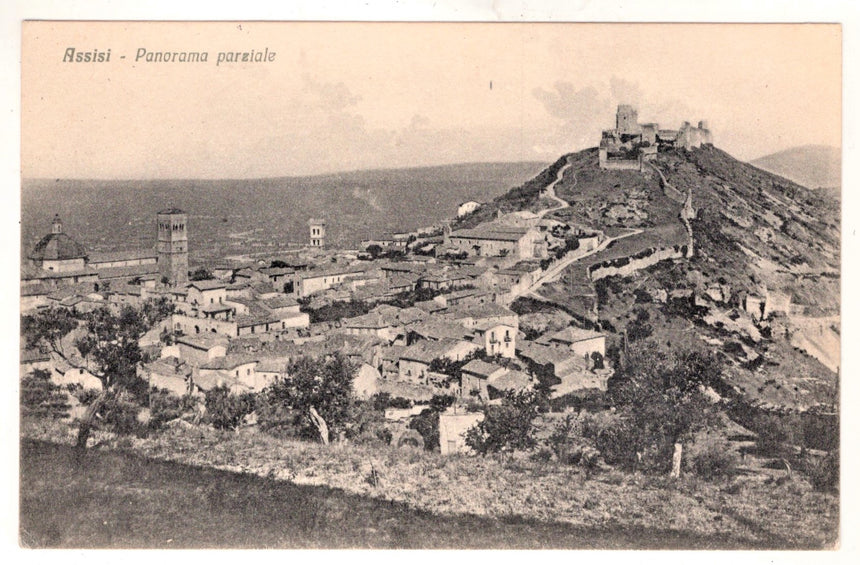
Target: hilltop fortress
x=626, y=146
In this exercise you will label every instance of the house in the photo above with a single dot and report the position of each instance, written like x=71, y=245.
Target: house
x=436, y=329
x=385, y=322
x=198, y=348
x=33, y=297
x=475, y=375
x=415, y=360
x=169, y=373
x=315, y=281
x=464, y=297
x=65, y=374
x=495, y=240
x=443, y=280
x=472, y=315
x=270, y=369
x=496, y=338
x=201, y=293
x=546, y=360
x=240, y=369
x=390, y=361
x=510, y=380
x=580, y=341
x=452, y=430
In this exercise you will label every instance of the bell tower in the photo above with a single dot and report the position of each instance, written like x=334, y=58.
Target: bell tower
x=317, y=232
x=173, y=246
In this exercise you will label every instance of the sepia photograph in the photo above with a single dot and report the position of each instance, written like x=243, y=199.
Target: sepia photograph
x=429, y=285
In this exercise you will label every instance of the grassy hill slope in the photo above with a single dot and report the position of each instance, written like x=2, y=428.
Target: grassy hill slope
x=813, y=166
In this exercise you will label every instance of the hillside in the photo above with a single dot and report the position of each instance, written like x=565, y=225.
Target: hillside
x=813, y=166
x=755, y=234
x=231, y=216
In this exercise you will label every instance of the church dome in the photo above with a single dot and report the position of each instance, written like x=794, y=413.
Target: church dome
x=57, y=246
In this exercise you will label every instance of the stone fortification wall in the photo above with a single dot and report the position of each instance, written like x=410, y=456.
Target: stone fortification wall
x=626, y=266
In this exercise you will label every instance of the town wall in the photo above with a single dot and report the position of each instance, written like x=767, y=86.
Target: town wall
x=613, y=268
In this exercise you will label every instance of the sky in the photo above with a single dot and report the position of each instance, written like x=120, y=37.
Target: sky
x=347, y=96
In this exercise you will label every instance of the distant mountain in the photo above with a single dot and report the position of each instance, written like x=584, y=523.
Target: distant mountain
x=813, y=166
x=243, y=215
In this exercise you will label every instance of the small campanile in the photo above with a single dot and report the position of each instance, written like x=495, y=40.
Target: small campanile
x=173, y=246
x=317, y=231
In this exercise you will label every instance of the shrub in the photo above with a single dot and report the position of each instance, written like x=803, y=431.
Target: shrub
x=367, y=424
x=714, y=461
x=823, y=472
x=506, y=427
x=165, y=407
x=614, y=437
x=225, y=410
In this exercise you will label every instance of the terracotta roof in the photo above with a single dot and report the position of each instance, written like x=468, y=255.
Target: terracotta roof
x=130, y=255
x=207, y=285
x=129, y=271
x=426, y=351
x=203, y=341
x=571, y=335
x=491, y=233
x=511, y=380
x=227, y=363
x=481, y=368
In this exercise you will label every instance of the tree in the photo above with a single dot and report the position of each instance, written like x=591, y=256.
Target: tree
x=508, y=426
x=225, y=410
x=108, y=344
x=318, y=393
x=201, y=274
x=661, y=398
x=374, y=250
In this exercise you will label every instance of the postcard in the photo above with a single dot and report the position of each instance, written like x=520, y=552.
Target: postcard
x=430, y=285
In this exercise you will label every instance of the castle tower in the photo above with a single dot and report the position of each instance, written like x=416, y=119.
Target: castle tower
x=627, y=120
x=173, y=246
x=317, y=232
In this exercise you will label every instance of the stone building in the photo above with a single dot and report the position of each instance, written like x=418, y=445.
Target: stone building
x=172, y=246
x=626, y=146
x=317, y=232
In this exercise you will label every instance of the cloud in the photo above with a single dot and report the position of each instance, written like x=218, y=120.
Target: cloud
x=581, y=111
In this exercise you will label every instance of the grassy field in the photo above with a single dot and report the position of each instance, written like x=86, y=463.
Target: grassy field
x=200, y=488
x=119, y=500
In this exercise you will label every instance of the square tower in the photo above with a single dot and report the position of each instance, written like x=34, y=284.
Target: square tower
x=627, y=120
x=317, y=232
x=173, y=246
